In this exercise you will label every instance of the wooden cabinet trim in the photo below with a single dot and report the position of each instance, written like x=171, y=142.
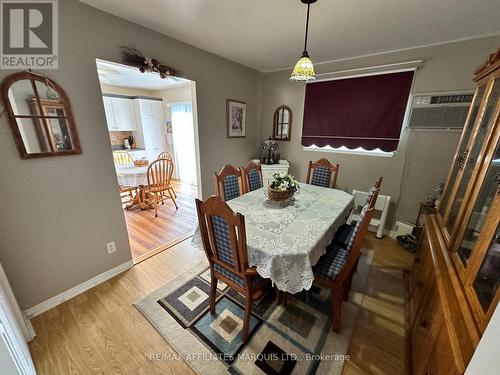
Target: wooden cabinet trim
x=462, y=330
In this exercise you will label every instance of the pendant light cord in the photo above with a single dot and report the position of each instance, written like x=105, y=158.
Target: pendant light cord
x=307, y=28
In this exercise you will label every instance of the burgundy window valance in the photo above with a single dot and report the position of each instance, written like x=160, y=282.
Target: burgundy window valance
x=365, y=112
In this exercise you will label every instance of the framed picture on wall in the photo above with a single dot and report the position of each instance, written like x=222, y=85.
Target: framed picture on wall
x=236, y=118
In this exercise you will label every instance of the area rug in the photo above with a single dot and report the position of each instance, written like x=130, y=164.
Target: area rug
x=296, y=339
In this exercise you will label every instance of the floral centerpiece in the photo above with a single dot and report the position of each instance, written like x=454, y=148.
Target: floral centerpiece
x=283, y=187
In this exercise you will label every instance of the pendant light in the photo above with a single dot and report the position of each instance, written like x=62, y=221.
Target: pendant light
x=304, y=69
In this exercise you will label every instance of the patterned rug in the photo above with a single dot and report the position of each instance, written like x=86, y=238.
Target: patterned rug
x=296, y=339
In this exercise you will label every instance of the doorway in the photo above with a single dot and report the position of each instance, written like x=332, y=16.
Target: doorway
x=149, y=118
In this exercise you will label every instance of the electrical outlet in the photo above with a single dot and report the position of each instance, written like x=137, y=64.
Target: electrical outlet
x=111, y=247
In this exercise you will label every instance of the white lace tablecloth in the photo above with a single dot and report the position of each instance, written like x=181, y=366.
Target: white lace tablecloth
x=130, y=175
x=285, y=242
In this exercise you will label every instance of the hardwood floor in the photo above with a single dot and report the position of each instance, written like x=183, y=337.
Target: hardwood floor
x=377, y=345
x=100, y=332
x=147, y=232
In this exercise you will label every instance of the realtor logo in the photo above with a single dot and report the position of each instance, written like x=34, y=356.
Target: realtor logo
x=29, y=34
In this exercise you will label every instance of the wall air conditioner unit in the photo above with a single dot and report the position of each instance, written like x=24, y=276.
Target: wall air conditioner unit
x=440, y=111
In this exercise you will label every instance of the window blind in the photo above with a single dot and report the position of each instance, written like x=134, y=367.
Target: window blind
x=364, y=112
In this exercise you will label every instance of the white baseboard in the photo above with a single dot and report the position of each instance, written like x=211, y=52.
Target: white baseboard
x=401, y=228
x=70, y=293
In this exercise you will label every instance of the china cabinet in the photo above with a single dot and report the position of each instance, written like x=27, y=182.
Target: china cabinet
x=454, y=285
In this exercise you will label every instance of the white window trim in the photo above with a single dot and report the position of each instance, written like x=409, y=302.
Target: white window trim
x=344, y=150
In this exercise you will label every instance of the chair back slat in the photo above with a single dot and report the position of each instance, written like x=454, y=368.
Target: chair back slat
x=252, y=177
x=122, y=158
x=228, y=183
x=322, y=173
x=160, y=174
x=223, y=235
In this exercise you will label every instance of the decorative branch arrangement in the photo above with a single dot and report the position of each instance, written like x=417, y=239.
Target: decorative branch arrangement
x=133, y=57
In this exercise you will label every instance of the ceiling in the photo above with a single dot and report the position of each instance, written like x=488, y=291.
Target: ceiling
x=268, y=35
x=114, y=74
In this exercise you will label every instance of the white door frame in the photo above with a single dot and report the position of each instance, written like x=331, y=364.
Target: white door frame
x=196, y=139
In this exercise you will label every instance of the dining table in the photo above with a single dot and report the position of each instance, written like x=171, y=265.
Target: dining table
x=130, y=175
x=286, y=239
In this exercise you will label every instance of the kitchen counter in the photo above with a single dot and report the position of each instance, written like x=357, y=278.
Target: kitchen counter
x=121, y=148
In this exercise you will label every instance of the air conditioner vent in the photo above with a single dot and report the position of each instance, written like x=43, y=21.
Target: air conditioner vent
x=440, y=111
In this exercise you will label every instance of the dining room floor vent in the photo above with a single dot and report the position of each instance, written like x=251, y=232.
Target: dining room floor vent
x=440, y=111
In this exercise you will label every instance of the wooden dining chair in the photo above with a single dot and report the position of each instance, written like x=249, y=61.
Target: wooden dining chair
x=344, y=234
x=228, y=183
x=159, y=184
x=168, y=155
x=127, y=193
x=252, y=177
x=322, y=173
x=122, y=158
x=335, y=269
x=224, y=240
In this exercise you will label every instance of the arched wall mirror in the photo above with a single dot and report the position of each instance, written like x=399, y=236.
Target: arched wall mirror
x=282, y=123
x=39, y=115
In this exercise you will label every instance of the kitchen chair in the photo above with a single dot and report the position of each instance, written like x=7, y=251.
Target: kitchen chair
x=322, y=173
x=345, y=232
x=167, y=155
x=252, y=177
x=335, y=269
x=224, y=240
x=127, y=193
x=122, y=158
x=228, y=183
x=159, y=185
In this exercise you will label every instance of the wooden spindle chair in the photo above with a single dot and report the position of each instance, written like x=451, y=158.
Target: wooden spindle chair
x=228, y=183
x=122, y=158
x=159, y=183
x=252, y=177
x=127, y=193
x=224, y=240
x=168, y=155
x=322, y=173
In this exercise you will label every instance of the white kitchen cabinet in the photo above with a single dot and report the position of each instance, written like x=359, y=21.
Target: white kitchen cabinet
x=268, y=171
x=155, y=139
x=149, y=108
x=108, y=110
x=120, y=114
x=124, y=114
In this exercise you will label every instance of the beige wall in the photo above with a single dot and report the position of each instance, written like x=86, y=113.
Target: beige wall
x=426, y=154
x=58, y=213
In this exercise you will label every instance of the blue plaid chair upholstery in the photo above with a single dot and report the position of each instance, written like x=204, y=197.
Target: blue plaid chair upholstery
x=330, y=264
x=222, y=239
x=254, y=180
x=321, y=176
x=232, y=276
x=370, y=193
x=343, y=235
x=231, y=187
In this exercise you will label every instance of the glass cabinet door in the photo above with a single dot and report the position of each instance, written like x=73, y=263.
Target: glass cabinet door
x=474, y=153
x=481, y=209
x=487, y=280
x=464, y=140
